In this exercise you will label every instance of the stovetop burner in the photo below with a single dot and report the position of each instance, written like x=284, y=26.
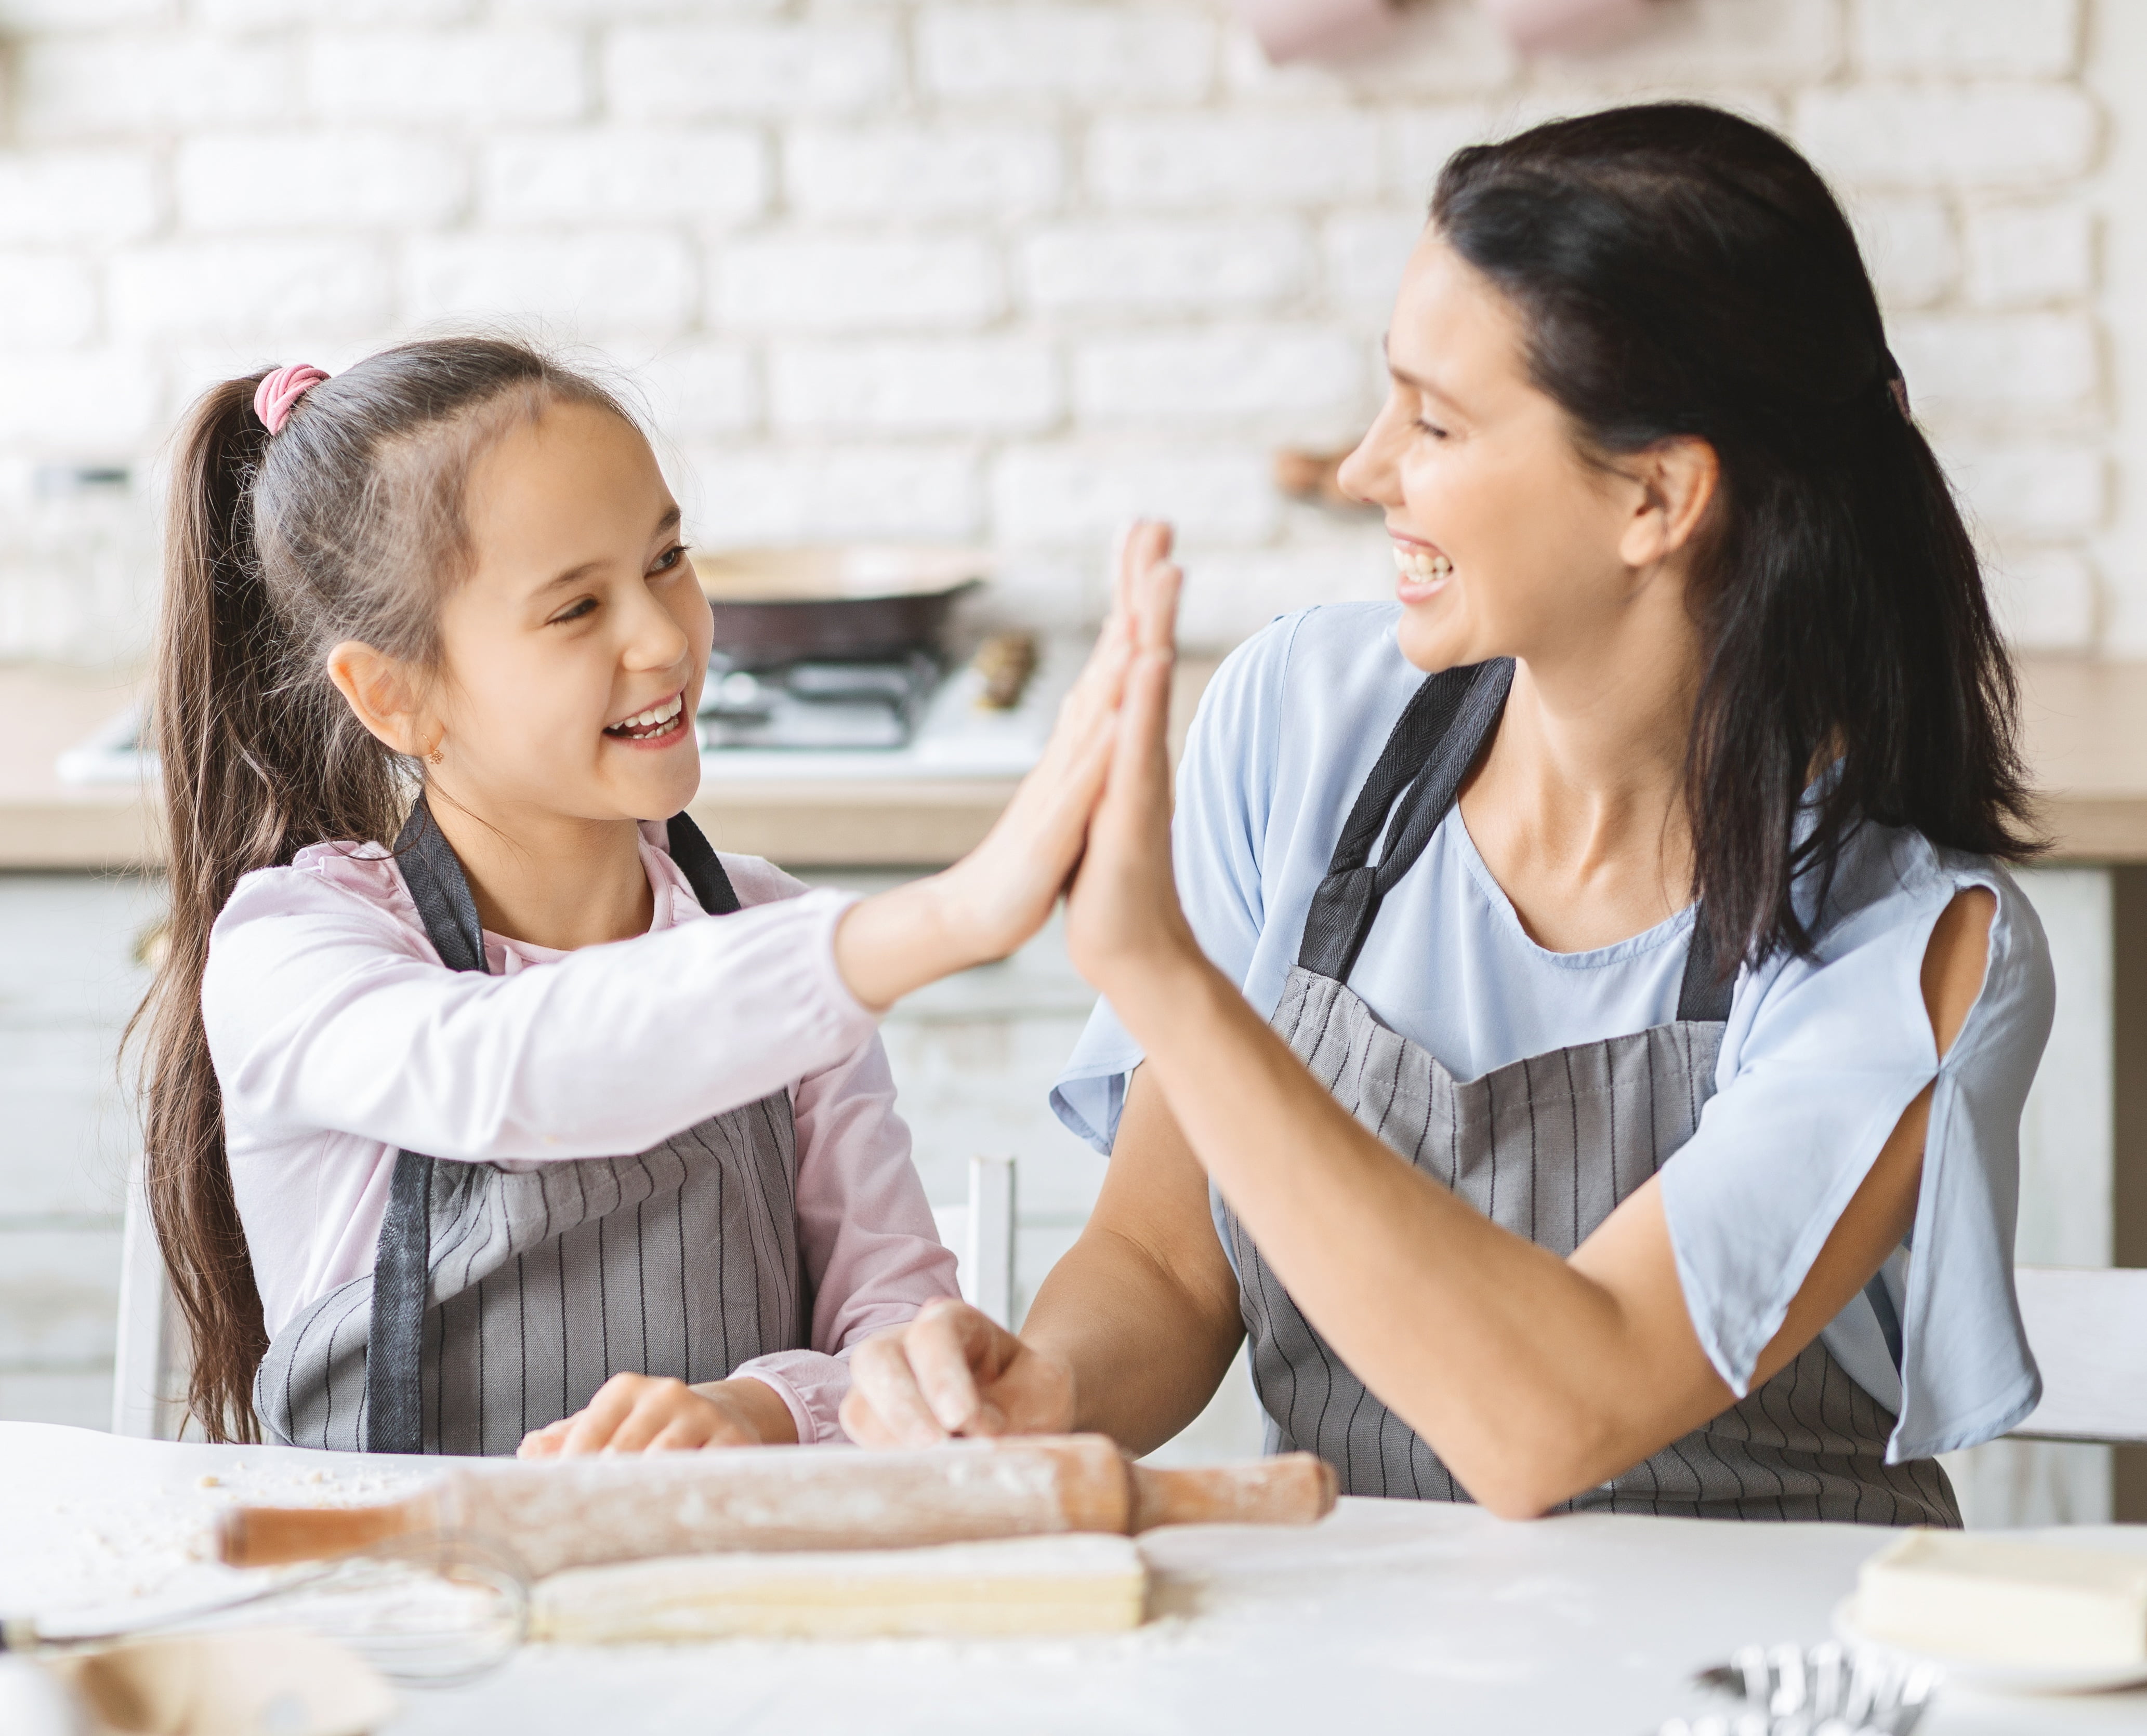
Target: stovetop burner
x=819, y=705
x=805, y=722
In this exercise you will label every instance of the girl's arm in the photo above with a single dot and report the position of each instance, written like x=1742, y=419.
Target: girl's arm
x=323, y=1012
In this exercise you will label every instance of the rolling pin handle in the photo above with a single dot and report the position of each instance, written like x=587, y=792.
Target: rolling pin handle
x=271, y=1536
x=1295, y=1488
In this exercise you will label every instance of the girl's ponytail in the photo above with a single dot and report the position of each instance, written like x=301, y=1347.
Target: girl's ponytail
x=337, y=518
x=238, y=746
x=215, y=652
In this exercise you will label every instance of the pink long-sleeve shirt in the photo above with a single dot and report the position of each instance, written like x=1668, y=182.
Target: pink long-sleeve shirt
x=338, y=1037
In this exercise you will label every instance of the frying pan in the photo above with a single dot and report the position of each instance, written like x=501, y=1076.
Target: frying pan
x=834, y=600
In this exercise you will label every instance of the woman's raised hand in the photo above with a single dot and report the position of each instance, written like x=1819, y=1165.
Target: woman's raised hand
x=952, y=1371
x=1001, y=893
x=1123, y=916
x=1013, y=878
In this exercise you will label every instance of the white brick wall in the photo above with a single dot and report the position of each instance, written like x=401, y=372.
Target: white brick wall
x=2022, y=254
x=1008, y=269
x=709, y=177
x=1997, y=135
x=821, y=283
x=236, y=183
x=77, y=196
x=460, y=77
x=690, y=71
x=939, y=386
x=1179, y=267
x=2013, y=37
x=898, y=174
x=1105, y=54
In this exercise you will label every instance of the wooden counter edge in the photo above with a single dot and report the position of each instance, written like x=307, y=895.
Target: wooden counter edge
x=2086, y=722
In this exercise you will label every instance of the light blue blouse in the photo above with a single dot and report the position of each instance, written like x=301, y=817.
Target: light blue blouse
x=1820, y=1057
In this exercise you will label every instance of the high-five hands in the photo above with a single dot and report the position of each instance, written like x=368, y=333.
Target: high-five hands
x=1000, y=894
x=1009, y=882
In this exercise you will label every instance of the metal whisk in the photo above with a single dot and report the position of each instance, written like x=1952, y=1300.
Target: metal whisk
x=429, y=1609
x=1822, y=1690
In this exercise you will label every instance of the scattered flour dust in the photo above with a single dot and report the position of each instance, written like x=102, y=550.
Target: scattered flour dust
x=128, y=1555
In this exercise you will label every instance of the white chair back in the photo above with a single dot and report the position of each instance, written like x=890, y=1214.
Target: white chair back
x=2088, y=1328
x=981, y=1234
x=149, y=1370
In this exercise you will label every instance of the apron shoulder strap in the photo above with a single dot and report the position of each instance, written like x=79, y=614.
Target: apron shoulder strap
x=1441, y=734
x=1438, y=738
x=402, y=1260
x=1704, y=994
x=698, y=860
x=440, y=890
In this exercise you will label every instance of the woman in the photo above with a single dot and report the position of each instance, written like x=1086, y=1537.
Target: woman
x=1635, y=880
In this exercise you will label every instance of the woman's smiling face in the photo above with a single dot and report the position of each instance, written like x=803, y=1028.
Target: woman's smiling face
x=1507, y=539
x=572, y=656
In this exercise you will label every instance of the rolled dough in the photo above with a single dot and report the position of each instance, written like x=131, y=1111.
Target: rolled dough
x=1082, y=1583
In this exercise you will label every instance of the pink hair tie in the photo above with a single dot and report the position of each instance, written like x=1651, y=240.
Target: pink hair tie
x=274, y=396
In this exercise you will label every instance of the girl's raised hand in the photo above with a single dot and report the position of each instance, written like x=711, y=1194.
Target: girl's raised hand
x=1001, y=893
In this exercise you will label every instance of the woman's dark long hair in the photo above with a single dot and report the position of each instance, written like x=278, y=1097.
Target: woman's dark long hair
x=346, y=525
x=1684, y=272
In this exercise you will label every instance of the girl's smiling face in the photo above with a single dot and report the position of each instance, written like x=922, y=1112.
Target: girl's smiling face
x=1508, y=542
x=571, y=657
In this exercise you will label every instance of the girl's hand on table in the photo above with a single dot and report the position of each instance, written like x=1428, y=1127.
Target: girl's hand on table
x=952, y=1371
x=649, y=1414
x=1001, y=893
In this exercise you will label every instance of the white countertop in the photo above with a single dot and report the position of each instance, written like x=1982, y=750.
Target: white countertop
x=1390, y=1616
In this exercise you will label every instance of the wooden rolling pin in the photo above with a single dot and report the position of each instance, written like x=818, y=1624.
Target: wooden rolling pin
x=585, y=1511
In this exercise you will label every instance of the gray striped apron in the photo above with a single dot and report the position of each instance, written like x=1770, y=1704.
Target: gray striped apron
x=500, y=1300
x=1546, y=1148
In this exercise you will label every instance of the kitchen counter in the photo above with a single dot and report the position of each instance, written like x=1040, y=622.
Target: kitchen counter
x=1391, y=1615
x=893, y=822
x=2086, y=724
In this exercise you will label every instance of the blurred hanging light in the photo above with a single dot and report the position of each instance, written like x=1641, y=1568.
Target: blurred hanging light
x=1536, y=26
x=1309, y=29
x=1318, y=29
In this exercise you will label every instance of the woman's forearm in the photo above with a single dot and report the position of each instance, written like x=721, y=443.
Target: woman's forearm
x=1520, y=1369
x=1146, y=1353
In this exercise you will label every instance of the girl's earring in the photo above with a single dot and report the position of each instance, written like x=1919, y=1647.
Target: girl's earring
x=437, y=756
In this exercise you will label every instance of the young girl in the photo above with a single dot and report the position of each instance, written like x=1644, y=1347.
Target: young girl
x=440, y=953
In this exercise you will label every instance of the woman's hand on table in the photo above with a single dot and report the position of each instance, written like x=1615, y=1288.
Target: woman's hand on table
x=1001, y=893
x=650, y=1414
x=952, y=1371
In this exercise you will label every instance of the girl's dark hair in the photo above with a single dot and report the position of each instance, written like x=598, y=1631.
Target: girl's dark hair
x=346, y=525
x=1684, y=272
